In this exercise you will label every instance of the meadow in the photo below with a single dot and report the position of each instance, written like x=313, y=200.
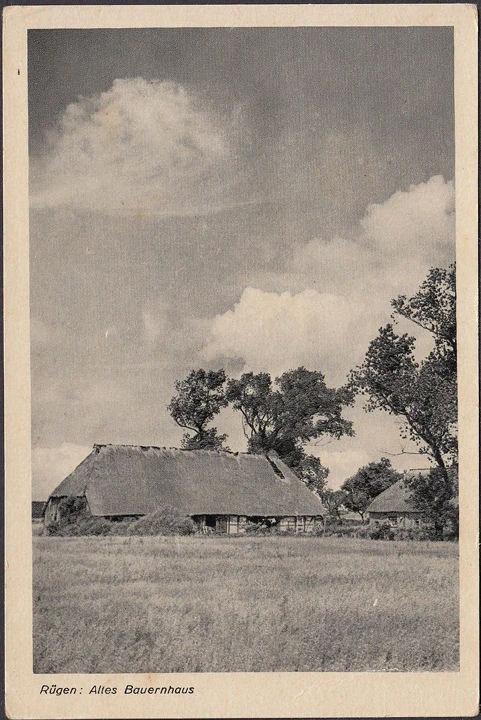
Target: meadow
x=186, y=604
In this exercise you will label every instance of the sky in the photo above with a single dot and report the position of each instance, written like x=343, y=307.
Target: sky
x=241, y=198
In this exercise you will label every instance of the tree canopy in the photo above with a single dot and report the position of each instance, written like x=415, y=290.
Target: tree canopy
x=283, y=415
x=333, y=501
x=280, y=416
x=422, y=393
x=436, y=500
x=199, y=398
x=433, y=308
x=295, y=409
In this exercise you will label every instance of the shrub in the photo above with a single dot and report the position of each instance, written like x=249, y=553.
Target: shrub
x=121, y=527
x=318, y=529
x=255, y=529
x=72, y=508
x=382, y=532
x=94, y=526
x=186, y=526
x=164, y=521
x=451, y=533
x=81, y=526
x=362, y=532
x=340, y=530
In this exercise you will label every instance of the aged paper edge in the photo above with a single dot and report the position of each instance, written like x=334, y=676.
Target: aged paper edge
x=232, y=694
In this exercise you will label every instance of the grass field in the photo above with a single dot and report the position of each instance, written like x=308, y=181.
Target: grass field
x=186, y=604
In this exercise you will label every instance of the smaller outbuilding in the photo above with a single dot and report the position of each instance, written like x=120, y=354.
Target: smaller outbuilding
x=395, y=506
x=37, y=509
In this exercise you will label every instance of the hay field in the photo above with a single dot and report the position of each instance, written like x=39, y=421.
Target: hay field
x=186, y=604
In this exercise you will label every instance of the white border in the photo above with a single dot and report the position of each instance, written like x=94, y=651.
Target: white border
x=232, y=694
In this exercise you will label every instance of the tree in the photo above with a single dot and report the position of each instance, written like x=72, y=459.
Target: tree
x=422, y=394
x=199, y=398
x=367, y=483
x=436, y=500
x=333, y=502
x=284, y=415
x=433, y=308
x=310, y=469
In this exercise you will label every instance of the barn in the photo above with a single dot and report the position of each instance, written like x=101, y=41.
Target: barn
x=218, y=490
x=395, y=506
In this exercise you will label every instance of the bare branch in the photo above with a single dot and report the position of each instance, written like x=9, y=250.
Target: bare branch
x=320, y=443
x=404, y=452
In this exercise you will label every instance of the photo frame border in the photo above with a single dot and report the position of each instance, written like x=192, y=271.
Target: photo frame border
x=230, y=695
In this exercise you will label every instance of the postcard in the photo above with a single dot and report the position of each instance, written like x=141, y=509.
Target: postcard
x=241, y=402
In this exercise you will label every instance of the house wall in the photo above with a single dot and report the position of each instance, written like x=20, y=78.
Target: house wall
x=299, y=523
x=51, y=511
x=236, y=524
x=56, y=509
x=310, y=523
x=405, y=520
x=228, y=524
x=288, y=524
x=221, y=524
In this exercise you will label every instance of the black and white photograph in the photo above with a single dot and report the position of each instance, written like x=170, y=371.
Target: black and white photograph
x=243, y=354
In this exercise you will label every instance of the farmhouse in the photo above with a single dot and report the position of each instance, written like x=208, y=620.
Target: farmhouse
x=218, y=490
x=395, y=506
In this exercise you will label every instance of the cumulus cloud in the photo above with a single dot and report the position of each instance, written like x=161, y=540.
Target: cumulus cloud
x=421, y=220
x=355, y=278
x=50, y=465
x=140, y=147
x=276, y=331
x=394, y=246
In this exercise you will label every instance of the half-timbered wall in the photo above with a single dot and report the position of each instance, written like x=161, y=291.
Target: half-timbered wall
x=395, y=519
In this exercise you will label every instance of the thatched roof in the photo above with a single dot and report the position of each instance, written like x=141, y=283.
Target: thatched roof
x=394, y=499
x=397, y=497
x=134, y=480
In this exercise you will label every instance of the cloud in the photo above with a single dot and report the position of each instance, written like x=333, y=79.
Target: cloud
x=421, y=220
x=51, y=465
x=355, y=278
x=391, y=250
x=277, y=331
x=140, y=147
